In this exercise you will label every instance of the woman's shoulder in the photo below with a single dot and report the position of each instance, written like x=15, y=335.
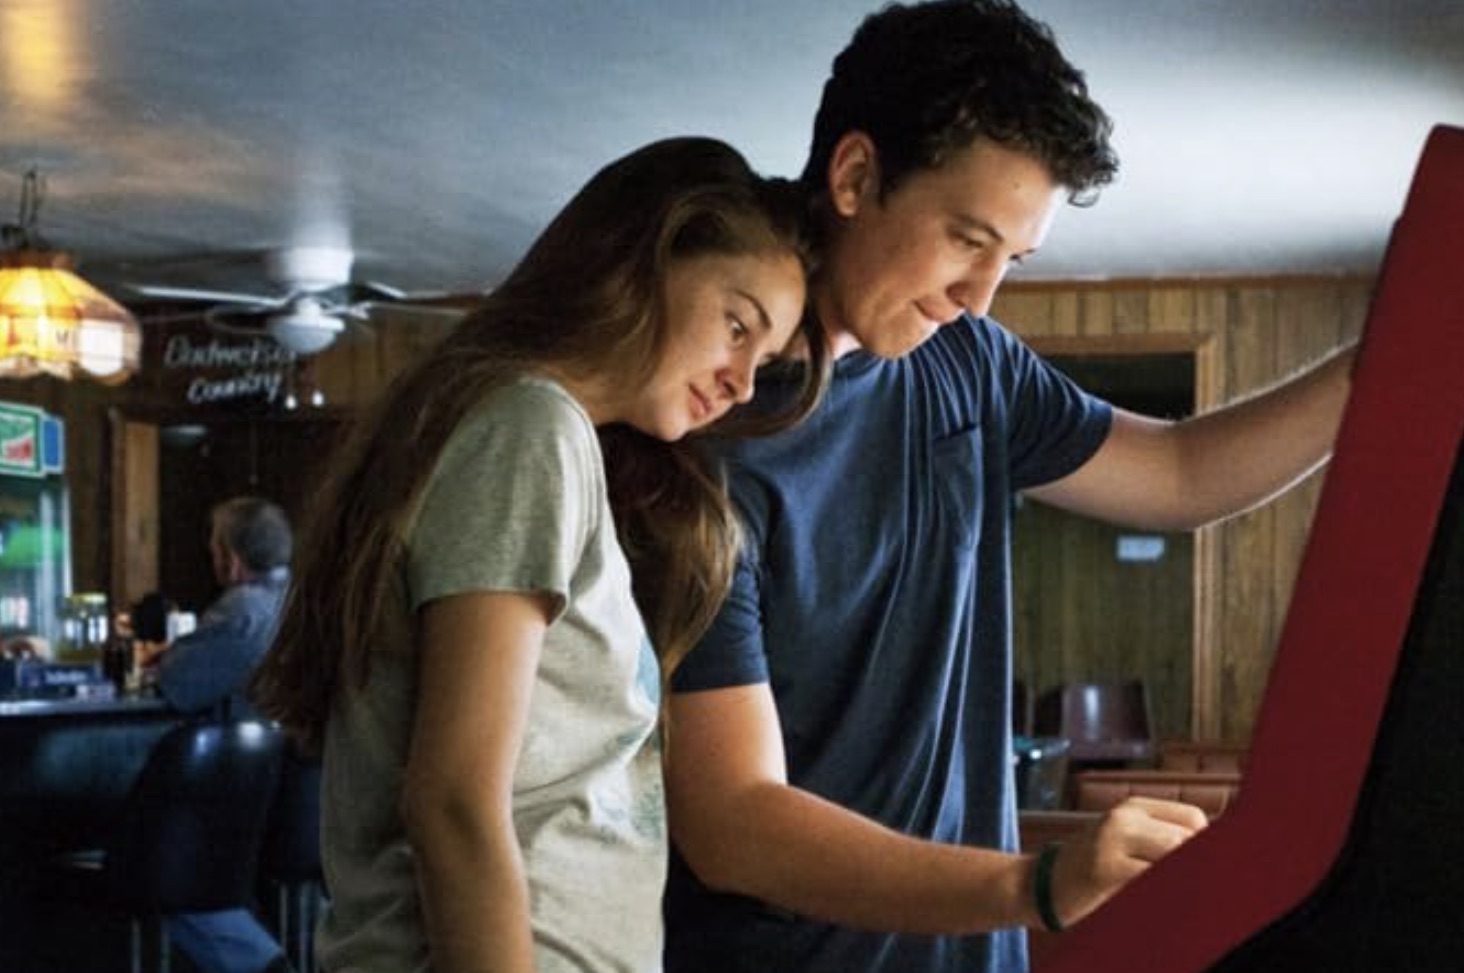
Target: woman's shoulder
x=528, y=407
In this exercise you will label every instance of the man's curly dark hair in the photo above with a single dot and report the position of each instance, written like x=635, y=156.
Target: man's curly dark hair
x=925, y=80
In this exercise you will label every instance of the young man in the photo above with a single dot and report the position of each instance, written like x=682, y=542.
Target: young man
x=839, y=762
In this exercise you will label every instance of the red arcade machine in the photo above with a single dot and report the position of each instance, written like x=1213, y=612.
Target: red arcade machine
x=1345, y=848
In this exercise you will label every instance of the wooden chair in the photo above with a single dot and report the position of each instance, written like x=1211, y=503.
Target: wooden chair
x=1106, y=723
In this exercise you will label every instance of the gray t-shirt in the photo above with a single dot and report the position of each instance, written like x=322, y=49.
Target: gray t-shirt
x=517, y=503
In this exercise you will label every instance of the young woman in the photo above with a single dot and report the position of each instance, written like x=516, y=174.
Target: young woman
x=462, y=638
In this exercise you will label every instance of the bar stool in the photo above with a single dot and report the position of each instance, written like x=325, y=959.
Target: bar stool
x=290, y=860
x=190, y=834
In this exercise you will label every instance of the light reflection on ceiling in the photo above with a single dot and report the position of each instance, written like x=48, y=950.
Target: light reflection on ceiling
x=38, y=52
x=1257, y=136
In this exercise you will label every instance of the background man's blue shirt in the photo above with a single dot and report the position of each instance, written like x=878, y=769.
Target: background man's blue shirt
x=210, y=667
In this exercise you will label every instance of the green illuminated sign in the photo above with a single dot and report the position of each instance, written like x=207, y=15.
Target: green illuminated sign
x=20, y=440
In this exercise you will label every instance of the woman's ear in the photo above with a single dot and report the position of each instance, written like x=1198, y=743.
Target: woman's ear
x=853, y=173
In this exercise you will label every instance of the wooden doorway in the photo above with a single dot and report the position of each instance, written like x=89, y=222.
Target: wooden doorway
x=170, y=469
x=1093, y=602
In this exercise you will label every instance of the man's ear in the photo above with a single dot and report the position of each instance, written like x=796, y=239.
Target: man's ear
x=238, y=570
x=853, y=173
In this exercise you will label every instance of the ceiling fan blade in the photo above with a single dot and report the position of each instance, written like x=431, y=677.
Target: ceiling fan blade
x=213, y=297
x=185, y=261
x=176, y=318
x=443, y=313
x=375, y=288
x=240, y=330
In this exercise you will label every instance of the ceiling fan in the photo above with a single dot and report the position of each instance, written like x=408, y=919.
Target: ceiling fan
x=316, y=302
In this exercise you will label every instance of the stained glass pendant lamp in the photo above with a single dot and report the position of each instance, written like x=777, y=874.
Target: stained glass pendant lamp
x=51, y=321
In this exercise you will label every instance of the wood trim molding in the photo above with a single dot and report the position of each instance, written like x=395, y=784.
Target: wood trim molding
x=134, y=502
x=1148, y=343
x=1205, y=688
x=1193, y=280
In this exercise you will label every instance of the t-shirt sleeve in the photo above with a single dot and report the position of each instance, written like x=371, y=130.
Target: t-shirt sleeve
x=732, y=653
x=1053, y=427
x=511, y=503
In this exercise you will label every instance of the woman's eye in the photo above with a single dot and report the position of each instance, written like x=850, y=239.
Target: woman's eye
x=968, y=243
x=739, y=330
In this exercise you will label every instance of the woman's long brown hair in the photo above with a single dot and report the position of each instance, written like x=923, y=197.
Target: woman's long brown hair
x=586, y=300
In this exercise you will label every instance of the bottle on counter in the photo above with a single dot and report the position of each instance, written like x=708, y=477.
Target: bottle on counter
x=117, y=663
x=84, y=628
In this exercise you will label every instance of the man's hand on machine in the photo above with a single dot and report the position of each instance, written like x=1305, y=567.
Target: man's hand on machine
x=1085, y=871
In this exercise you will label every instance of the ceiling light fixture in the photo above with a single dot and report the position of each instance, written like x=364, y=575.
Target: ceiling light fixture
x=52, y=321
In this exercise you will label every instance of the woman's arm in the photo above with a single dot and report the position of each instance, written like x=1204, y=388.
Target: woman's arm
x=478, y=655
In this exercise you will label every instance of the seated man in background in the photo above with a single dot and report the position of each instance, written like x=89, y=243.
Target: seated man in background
x=208, y=670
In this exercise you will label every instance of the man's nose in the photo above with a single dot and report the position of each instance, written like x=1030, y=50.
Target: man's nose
x=977, y=289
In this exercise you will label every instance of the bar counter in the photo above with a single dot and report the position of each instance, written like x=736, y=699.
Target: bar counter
x=125, y=705
x=66, y=766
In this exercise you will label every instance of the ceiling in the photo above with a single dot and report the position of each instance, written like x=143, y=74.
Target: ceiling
x=178, y=136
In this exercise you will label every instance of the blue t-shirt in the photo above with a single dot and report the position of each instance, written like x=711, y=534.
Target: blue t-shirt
x=874, y=595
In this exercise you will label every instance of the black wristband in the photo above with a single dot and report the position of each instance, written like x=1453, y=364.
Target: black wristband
x=1042, y=886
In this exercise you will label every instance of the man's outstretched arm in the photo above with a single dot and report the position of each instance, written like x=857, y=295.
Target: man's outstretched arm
x=742, y=828
x=1165, y=475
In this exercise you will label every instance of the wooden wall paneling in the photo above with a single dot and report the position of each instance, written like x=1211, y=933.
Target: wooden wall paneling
x=365, y=353
x=1308, y=326
x=1131, y=311
x=1159, y=627
x=84, y=404
x=1095, y=312
x=1356, y=300
x=1066, y=311
x=1082, y=616
x=1080, y=645
x=1171, y=309
x=1210, y=311
x=1028, y=663
x=404, y=338
x=1024, y=312
x=134, y=508
x=425, y=332
x=1247, y=610
x=1205, y=721
x=332, y=371
x=398, y=348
